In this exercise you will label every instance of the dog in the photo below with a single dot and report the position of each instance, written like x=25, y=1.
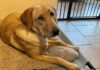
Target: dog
x=33, y=32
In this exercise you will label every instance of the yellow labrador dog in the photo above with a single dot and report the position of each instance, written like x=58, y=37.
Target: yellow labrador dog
x=31, y=31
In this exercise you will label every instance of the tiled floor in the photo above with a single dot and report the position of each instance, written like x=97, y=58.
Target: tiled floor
x=86, y=35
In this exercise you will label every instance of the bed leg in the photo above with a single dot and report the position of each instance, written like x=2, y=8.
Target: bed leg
x=90, y=66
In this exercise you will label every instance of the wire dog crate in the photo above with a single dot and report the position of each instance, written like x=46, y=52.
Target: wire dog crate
x=78, y=9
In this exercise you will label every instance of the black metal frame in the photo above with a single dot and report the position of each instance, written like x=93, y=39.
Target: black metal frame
x=91, y=3
x=90, y=66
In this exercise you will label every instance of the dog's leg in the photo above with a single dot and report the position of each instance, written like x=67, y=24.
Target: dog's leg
x=27, y=36
x=59, y=61
x=58, y=42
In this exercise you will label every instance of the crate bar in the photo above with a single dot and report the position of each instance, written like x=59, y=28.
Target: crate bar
x=81, y=9
x=98, y=10
x=95, y=8
x=88, y=10
x=93, y=3
x=64, y=10
x=85, y=8
x=60, y=9
x=78, y=9
x=69, y=9
x=74, y=9
x=86, y=18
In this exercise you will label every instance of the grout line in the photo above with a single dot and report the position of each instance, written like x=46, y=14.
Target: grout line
x=80, y=33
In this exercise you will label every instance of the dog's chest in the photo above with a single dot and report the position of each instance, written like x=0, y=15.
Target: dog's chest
x=44, y=44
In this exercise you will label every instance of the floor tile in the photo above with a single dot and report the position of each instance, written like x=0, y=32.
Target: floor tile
x=84, y=23
x=93, y=40
x=92, y=54
x=87, y=68
x=97, y=69
x=96, y=47
x=65, y=26
x=76, y=38
x=89, y=30
x=96, y=64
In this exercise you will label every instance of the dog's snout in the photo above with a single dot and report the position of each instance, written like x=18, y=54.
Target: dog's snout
x=55, y=32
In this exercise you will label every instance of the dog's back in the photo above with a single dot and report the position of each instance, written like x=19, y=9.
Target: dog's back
x=8, y=25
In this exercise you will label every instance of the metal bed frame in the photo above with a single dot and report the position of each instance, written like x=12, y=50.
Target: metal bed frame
x=82, y=61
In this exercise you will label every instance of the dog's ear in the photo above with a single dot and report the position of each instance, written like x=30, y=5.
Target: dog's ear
x=54, y=13
x=53, y=9
x=27, y=18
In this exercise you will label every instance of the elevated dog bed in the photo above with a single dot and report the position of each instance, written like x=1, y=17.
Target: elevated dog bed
x=11, y=59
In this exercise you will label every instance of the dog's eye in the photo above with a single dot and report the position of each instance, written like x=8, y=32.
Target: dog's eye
x=41, y=18
x=51, y=14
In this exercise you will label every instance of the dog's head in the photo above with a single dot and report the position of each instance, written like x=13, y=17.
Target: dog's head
x=41, y=19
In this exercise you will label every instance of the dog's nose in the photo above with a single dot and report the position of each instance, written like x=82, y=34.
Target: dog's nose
x=55, y=32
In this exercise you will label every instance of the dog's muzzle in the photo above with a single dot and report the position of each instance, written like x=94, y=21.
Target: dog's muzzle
x=55, y=32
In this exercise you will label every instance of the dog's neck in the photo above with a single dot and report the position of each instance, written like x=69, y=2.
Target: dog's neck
x=43, y=43
x=43, y=40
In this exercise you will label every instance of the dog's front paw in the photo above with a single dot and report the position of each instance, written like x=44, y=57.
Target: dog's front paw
x=74, y=67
